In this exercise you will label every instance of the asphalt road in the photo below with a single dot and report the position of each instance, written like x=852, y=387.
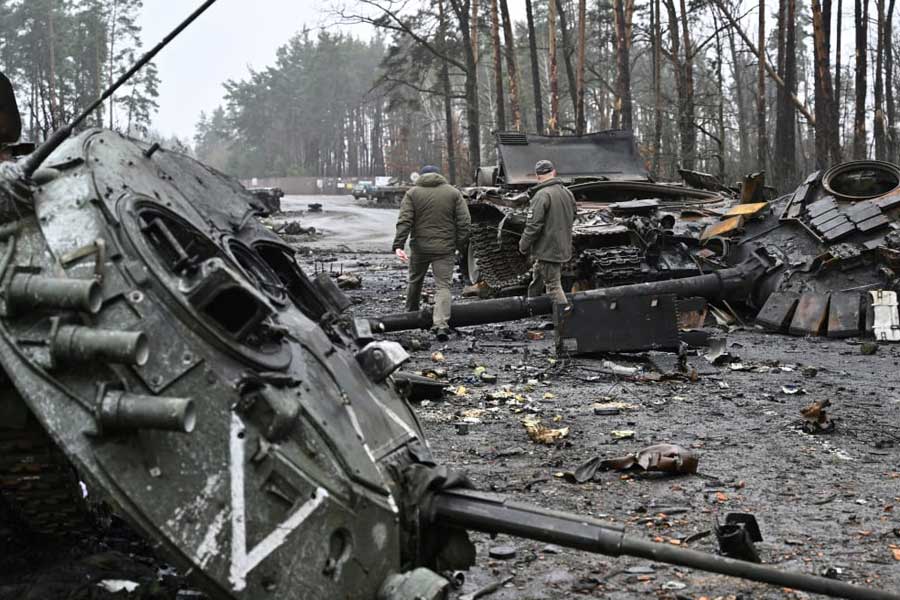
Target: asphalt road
x=343, y=224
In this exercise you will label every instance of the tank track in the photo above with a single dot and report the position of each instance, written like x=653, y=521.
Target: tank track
x=501, y=267
x=39, y=486
x=610, y=266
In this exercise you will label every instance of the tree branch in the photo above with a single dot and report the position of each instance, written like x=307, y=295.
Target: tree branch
x=393, y=22
x=801, y=107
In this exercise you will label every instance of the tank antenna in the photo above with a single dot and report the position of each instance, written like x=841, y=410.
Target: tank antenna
x=36, y=158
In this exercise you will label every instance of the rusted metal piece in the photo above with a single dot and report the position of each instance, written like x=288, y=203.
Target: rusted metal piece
x=815, y=417
x=747, y=210
x=666, y=458
x=727, y=227
x=778, y=311
x=753, y=188
x=844, y=314
x=811, y=314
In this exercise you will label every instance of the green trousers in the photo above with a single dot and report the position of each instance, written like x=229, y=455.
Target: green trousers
x=442, y=268
x=547, y=279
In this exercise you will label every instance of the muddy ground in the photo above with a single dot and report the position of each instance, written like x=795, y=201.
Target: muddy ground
x=825, y=503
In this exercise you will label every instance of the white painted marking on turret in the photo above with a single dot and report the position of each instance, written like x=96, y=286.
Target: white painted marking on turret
x=242, y=562
x=209, y=547
x=394, y=416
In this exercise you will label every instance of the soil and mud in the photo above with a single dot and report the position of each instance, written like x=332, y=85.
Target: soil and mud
x=825, y=503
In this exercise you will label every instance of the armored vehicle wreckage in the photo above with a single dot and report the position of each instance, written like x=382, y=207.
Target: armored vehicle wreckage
x=628, y=228
x=821, y=260
x=225, y=404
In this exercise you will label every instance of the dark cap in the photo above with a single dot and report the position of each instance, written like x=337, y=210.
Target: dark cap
x=428, y=169
x=543, y=167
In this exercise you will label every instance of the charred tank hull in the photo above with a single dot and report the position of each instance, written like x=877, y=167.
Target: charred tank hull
x=170, y=346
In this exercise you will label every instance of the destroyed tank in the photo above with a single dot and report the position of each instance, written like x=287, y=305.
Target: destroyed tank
x=821, y=260
x=628, y=228
x=225, y=404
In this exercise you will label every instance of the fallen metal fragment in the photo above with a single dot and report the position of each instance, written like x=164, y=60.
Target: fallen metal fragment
x=666, y=458
x=886, y=321
x=541, y=434
x=592, y=325
x=811, y=314
x=778, y=311
x=416, y=388
x=486, y=590
x=349, y=281
x=816, y=417
x=502, y=552
x=738, y=536
x=844, y=315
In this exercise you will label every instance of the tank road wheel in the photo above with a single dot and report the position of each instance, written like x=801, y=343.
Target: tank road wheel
x=473, y=274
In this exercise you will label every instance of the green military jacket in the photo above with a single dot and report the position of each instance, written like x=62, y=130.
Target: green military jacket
x=434, y=216
x=548, y=230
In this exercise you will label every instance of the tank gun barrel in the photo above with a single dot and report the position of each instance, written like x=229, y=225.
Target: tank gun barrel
x=730, y=281
x=489, y=514
x=37, y=158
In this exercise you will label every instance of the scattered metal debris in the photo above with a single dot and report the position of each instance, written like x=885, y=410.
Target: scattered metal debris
x=542, y=434
x=816, y=418
x=738, y=536
x=666, y=458
x=487, y=590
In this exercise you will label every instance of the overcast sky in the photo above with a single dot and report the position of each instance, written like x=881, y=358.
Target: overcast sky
x=229, y=38
x=222, y=44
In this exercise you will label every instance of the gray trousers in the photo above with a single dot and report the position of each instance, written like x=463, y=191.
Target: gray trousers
x=442, y=267
x=547, y=279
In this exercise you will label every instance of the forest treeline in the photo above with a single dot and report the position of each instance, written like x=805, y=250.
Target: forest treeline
x=61, y=54
x=686, y=76
x=721, y=86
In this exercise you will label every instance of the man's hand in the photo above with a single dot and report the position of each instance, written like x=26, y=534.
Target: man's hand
x=401, y=254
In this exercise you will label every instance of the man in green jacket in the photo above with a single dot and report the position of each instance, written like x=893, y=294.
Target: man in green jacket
x=548, y=232
x=436, y=219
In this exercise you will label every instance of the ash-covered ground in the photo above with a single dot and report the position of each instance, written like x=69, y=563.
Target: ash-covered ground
x=825, y=503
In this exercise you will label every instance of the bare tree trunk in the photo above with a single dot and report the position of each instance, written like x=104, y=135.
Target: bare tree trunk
x=861, y=14
x=579, y=91
x=720, y=108
x=878, y=132
x=500, y=123
x=657, y=87
x=785, y=123
x=767, y=68
x=567, y=51
x=826, y=139
x=740, y=101
x=688, y=131
x=469, y=32
x=623, y=10
x=761, y=140
x=889, y=82
x=837, y=73
x=474, y=29
x=535, y=70
x=113, y=33
x=553, y=124
x=51, y=88
x=511, y=67
x=448, y=103
x=377, y=142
